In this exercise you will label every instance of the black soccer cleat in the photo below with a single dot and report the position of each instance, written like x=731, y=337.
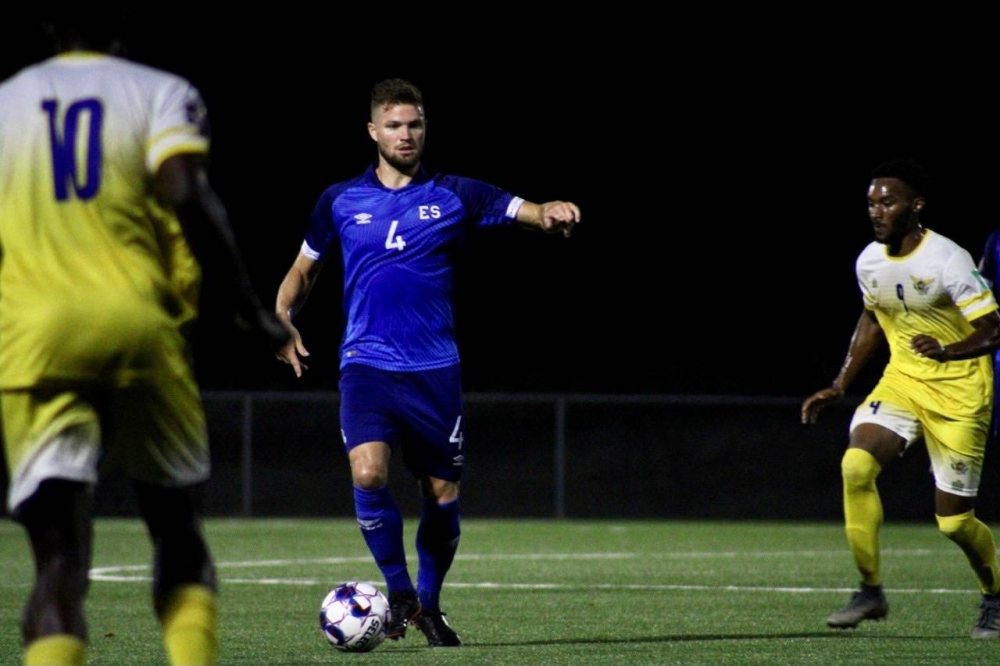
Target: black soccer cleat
x=437, y=630
x=988, y=625
x=404, y=608
x=868, y=603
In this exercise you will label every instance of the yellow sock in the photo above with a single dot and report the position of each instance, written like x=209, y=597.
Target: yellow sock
x=862, y=512
x=55, y=650
x=190, y=631
x=976, y=541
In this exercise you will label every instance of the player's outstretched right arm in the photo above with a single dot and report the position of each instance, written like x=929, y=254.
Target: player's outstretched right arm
x=292, y=295
x=182, y=184
x=550, y=217
x=866, y=339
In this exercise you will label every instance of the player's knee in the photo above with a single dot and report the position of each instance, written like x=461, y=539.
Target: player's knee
x=369, y=477
x=440, y=491
x=956, y=527
x=859, y=469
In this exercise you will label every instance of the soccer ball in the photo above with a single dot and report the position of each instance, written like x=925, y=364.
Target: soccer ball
x=353, y=617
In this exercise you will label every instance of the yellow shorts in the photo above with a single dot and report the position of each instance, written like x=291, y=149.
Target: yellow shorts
x=154, y=432
x=956, y=445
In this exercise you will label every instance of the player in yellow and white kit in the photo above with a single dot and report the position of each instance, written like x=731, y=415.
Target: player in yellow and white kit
x=923, y=295
x=102, y=187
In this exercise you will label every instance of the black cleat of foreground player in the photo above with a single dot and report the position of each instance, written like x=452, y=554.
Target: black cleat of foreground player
x=404, y=608
x=437, y=630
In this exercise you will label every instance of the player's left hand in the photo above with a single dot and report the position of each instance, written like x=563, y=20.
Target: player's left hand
x=815, y=403
x=560, y=216
x=929, y=347
x=293, y=351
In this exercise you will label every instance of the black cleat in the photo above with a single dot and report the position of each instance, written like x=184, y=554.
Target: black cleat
x=868, y=603
x=988, y=625
x=437, y=630
x=404, y=608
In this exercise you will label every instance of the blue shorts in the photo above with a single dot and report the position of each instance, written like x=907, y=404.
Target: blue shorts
x=417, y=412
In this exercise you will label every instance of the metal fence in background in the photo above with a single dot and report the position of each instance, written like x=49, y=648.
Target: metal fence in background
x=280, y=454
x=545, y=455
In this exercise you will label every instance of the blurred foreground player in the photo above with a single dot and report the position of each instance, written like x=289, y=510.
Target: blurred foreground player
x=103, y=189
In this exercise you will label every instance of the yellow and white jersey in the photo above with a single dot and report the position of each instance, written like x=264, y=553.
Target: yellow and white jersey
x=936, y=290
x=94, y=276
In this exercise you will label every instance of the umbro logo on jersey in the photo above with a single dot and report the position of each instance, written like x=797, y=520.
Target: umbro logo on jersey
x=363, y=218
x=369, y=525
x=459, y=460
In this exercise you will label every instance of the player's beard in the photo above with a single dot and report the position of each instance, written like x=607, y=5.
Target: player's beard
x=403, y=164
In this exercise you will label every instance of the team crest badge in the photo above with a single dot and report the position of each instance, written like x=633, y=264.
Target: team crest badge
x=959, y=466
x=922, y=285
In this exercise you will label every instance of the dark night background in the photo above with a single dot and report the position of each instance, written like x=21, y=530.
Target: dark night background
x=721, y=168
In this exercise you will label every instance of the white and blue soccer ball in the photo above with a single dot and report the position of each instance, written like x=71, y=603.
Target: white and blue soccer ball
x=353, y=617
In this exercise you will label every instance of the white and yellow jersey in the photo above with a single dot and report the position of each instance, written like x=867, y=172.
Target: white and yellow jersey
x=92, y=271
x=935, y=290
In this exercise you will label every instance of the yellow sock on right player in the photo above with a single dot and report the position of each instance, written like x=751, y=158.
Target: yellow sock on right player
x=976, y=541
x=862, y=512
x=55, y=650
x=190, y=631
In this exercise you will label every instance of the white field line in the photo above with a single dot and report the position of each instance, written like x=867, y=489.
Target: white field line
x=119, y=573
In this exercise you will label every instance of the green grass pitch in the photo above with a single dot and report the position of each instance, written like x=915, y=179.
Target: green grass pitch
x=547, y=592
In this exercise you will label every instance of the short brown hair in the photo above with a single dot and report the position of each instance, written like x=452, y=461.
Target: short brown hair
x=392, y=92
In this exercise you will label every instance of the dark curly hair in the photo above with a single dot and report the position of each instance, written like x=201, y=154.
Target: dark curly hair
x=906, y=170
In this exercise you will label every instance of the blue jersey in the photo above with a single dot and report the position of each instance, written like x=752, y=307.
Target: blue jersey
x=991, y=258
x=398, y=250
x=991, y=273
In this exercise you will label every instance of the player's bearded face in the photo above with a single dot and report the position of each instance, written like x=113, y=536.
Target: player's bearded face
x=402, y=158
x=893, y=208
x=399, y=132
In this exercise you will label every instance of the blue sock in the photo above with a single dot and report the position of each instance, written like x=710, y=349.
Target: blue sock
x=437, y=541
x=381, y=525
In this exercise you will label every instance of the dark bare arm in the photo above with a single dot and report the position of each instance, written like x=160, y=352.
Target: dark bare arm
x=182, y=184
x=984, y=339
x=867, y=338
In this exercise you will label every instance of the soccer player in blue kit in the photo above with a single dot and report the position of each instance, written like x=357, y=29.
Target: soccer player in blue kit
x=989, y=268
x=398, y=227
